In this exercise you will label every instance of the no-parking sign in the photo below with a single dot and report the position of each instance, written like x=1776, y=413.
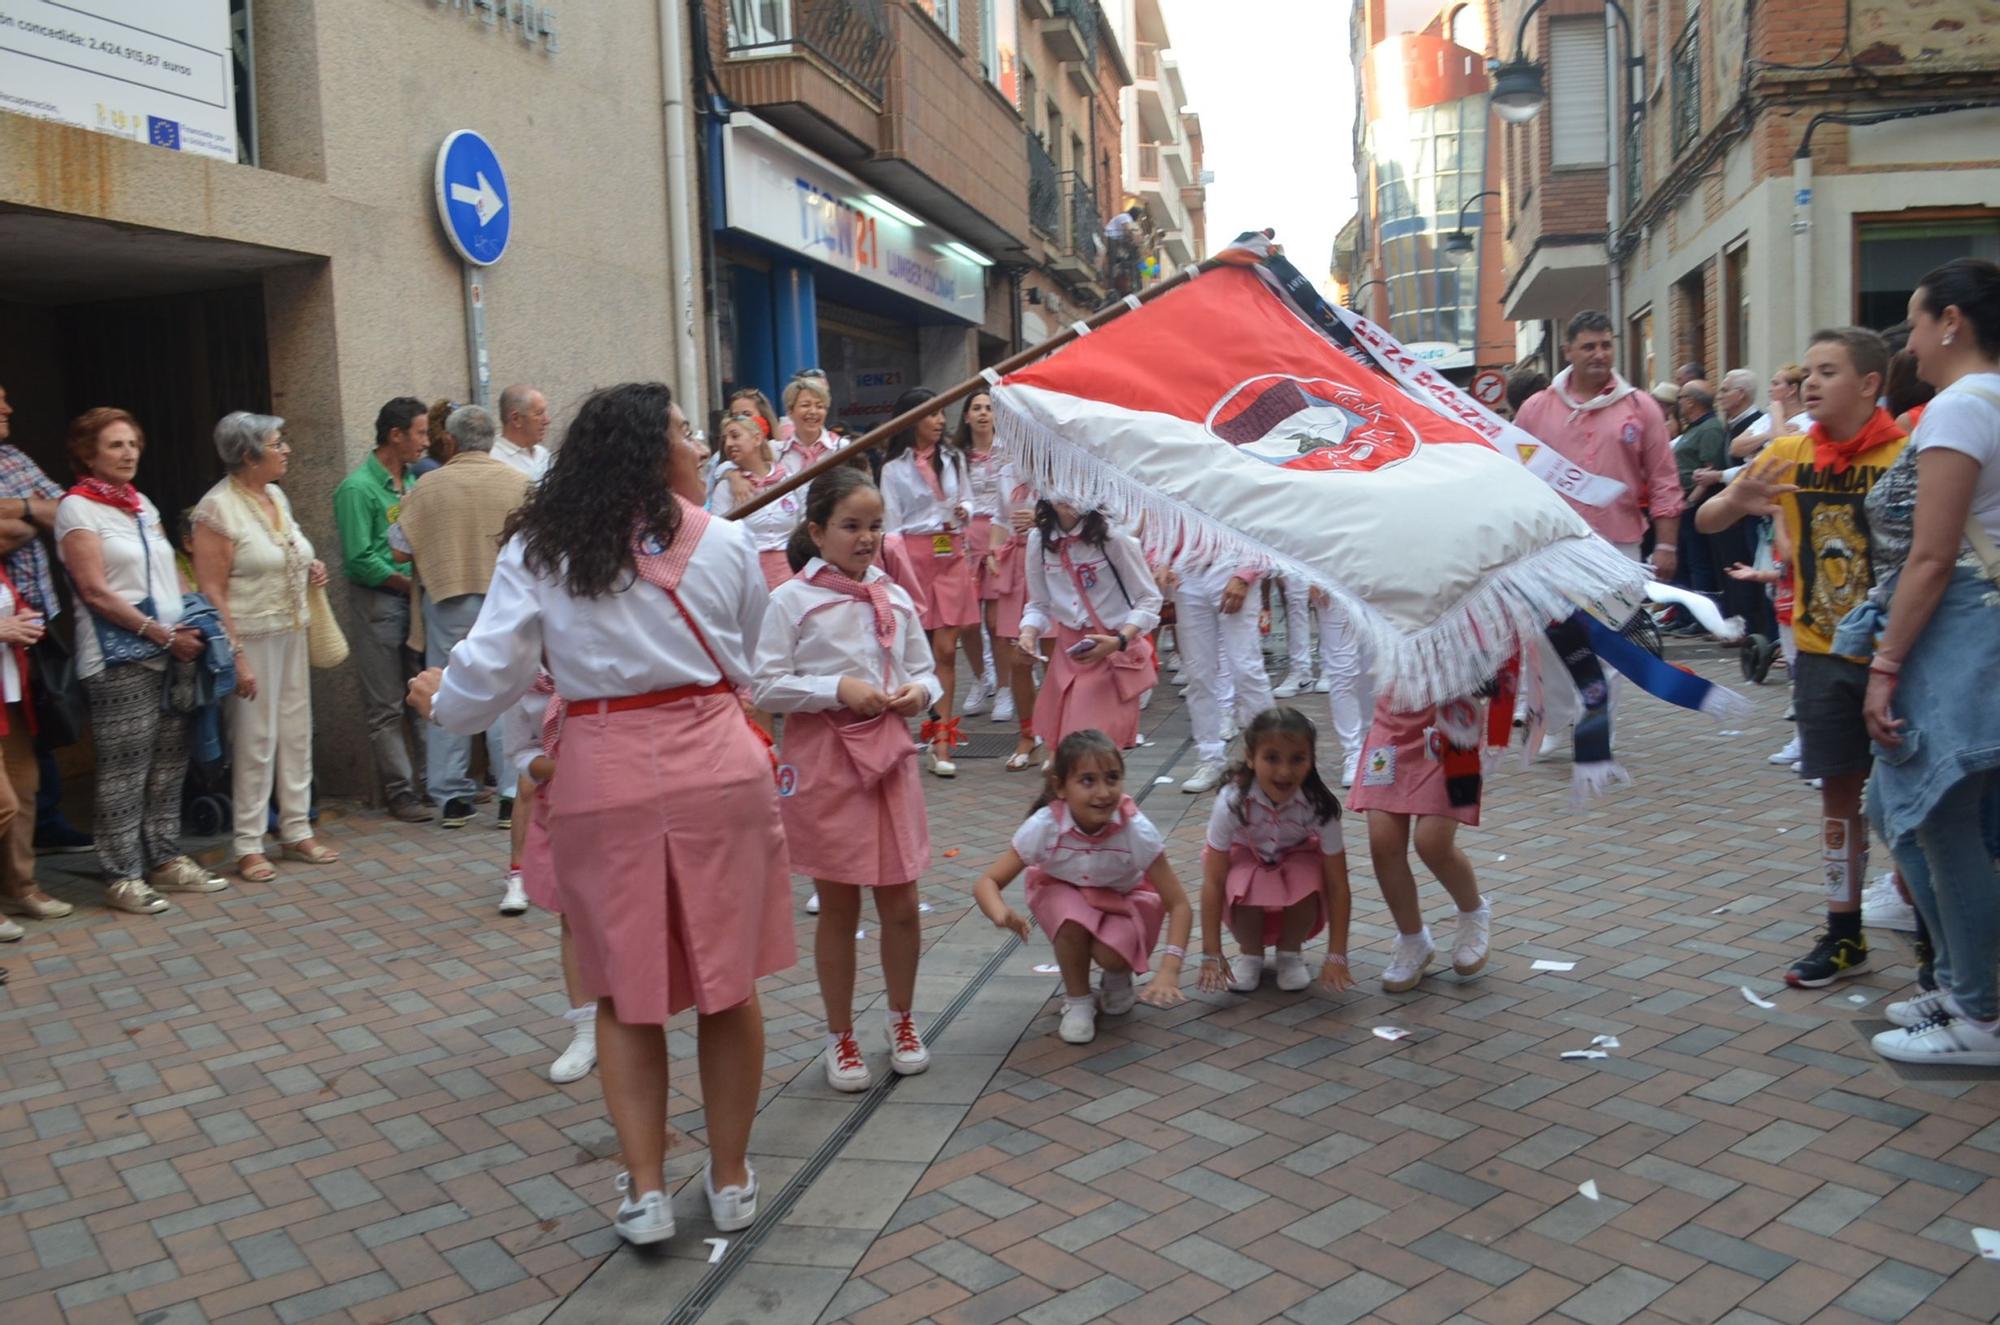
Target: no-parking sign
x=1489, y=387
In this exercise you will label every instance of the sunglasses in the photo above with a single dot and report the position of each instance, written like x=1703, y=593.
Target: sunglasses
x=809, y=372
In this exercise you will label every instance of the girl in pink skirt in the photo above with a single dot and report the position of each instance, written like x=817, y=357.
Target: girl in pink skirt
x=663, y=826
x=926, y=499
x=1004, y=592
x=1275, y=862
x=974, y=443
x=754, y=467
x=1424, y=766
x=843, y=655
x=1090, y=587
x=1098, y=884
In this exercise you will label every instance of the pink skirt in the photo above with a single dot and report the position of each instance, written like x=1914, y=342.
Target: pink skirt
x=1276, y=888
x=1006, y=587
x=777, y=569
x=538, y=861
x=1400, y=773
x=665, y=830
x=941, y=585
x=853, y=801
x=1130, y=931
x=1079, y=696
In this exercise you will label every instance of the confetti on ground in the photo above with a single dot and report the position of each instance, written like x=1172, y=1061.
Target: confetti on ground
x=1857, y=998
x=860, y=934
x=1604, y=1041
x=1047, y=968
x=716, y=1246
x=1727, y=732
x=1784, y=830
x=924, y=908
x=1390, y=1033
x=1720, y=909
x=1587, y=1189
x=1585, y=1053
x=1759, y=1002
x=1500, y=858
x=1163, y=782
x=1546, y=965
x=1988, y=1242
x=952, y=854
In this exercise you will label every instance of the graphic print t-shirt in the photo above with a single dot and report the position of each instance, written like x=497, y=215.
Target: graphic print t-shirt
x=1832, y=570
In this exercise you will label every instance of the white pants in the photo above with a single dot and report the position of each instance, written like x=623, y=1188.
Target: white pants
x=270, y=743
x=1298, y=629
x=1225, y=660
x=1562, y=705
x=1351, y=691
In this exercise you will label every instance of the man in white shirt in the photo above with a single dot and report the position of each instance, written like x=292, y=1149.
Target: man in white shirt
x=524, y=421
x=1749, y=426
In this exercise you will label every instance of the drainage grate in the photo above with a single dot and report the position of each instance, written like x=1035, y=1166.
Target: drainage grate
x=986, y=745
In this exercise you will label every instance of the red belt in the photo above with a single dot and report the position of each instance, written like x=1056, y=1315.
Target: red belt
x=653, y=699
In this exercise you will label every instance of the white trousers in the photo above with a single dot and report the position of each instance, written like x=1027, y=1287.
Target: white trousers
x=1562, y=705
x=270, y=743
x=1298, y=628
x=1351, y=691
x=1225, y=660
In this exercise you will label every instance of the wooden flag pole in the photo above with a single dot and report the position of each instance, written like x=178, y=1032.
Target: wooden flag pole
x=880, y=435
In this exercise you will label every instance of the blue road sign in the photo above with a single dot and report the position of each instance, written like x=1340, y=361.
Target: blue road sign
x=472, y=198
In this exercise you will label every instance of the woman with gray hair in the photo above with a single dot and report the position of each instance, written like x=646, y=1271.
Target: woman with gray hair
x=254, y=563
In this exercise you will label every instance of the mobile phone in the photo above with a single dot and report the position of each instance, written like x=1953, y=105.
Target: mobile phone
x=1081, y=647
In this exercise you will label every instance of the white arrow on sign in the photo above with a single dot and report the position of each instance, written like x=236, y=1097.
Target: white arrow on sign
x=484, y=200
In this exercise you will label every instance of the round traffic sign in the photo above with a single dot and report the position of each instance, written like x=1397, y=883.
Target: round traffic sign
x=472, y=199
x=1489, y=387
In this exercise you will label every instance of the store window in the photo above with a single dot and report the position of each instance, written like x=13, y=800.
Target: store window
x=1895, y=254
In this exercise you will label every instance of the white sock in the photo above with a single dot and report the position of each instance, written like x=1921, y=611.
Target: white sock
x=833, y=1038
x=585, y=1017
x=1295, y=954
x=1423, y=935
x=1074, y=1000
x=890, y=1017
x=1477, y=909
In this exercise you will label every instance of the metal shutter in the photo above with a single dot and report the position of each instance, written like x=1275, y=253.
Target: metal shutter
x=1577, y=111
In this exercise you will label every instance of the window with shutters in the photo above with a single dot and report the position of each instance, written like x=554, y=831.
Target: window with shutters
x=1578, y=114
x=1687, y=87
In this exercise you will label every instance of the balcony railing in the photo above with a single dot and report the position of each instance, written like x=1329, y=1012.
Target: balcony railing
x=1086, y=224
x=1147, y=66
x=1045, y=201
x=1687, y=89
x=1083, y=14
x=852, y=36
x=1149, y=160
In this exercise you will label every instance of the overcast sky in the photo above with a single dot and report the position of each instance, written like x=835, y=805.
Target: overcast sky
x=1276, y=97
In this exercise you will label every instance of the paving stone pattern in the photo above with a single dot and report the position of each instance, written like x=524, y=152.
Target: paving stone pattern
x=324, y=1098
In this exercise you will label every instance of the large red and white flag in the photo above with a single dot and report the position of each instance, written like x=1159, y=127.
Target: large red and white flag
x=1242, y=417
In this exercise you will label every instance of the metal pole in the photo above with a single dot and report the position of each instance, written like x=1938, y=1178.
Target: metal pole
x=475, y=336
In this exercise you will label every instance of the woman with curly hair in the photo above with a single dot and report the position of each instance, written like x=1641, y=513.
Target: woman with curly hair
x=662, y=818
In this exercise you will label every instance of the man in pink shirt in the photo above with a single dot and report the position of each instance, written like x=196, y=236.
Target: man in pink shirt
x=1610, y=429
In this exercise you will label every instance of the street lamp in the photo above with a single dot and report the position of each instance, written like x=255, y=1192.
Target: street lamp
x=1458, y=244
x=1354, y=295
x=1520, y=86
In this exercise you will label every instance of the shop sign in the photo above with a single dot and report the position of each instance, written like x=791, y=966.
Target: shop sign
x=157, y=73
x=533, y=22
x=782, y=193
x=1440, y=354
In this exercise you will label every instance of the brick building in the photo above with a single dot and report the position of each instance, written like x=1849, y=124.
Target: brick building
x=1783, y=166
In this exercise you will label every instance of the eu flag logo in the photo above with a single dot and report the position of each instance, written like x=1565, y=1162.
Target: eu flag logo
x=163, y=133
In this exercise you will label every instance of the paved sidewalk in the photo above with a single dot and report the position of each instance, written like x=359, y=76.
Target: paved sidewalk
x=324, y=1098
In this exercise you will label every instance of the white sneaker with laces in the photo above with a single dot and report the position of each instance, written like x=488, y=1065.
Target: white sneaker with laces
x=907, y=1054
x=581, y=1055
x=1408, y=961
x=1943, y=1039
x=1003, y=708
x=1469, y=945
x=1290, y=687
x=733, y=1207
x=1882, y=907
x=846, y=1069
x=1245, y=972
x=1915, y=1011
x=1206, y=778
x=977, y=701
x=1292, y=973
x=1350, y=766
x=1116, y=994
x=812, y=905
x=646, y=1220
x=515, y=900
x=1789, y=755
x=1079, y=1020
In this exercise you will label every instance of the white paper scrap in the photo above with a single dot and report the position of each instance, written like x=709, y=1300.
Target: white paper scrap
x=1047, y=968
x=1546, y=965
x=860, y=934
x=716, y=1246
x=1988, y=1242
x=1390, y=1033
x=1163, y=781
x=1604, y=1041
x=1585, y=1053
x=1499, y=858
x=1587, y=1189
x=1756, y=1001
x=924, y=908
x=1857, y=998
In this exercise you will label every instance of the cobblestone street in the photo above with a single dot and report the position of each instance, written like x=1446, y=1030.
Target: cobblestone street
x=324, y=1098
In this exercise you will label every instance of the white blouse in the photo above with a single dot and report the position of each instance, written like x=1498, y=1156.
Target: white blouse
x=795, y=455
x=631, y=641
x=125, y=560
x=1117, y=856
x=1271, y=830
x=10, y=670
x=814, y=636
x=1116, y=578
x=908, y=504
x=987, y=494
x=770, y=526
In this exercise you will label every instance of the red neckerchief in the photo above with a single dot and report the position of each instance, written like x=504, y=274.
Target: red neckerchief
x=122, y=496
x=873, y=592
x=1836, y=456
x=920, y=460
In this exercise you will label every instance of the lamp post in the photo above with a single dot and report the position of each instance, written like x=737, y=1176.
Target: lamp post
x=1354, y=295
x=1458, y=244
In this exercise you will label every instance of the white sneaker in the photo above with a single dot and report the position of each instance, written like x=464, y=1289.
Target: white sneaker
x=10, y=932
x=1349, y=767
x=812, y=905
x=1325, y=685
x=1245, y=973
x=1407, y=962
x=1882, y=907
x=1079, y=1021
x=648, y=1219
x=580, y=1057
x=515, y=900
x=1003, y=707
x=1915, y=1011
x=1468, y=946
x=1230, y=731
x=1292, y=973
x=732, y=1208
x=1290, y=687
x=1552, y=743
x=1116, y=994
x=1206, y=778
x=1943, y=1039
x=977, y=701
x=1789, y=755
x=1146, y=700
x=907, y=1054
x=846, y=1069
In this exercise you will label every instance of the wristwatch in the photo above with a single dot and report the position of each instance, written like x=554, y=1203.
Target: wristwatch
x=1124, y=643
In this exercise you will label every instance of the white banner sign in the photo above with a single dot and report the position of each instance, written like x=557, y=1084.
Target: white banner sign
x=160, y=73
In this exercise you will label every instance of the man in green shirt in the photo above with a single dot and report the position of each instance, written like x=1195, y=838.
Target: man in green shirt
x=1705, y=445
x=364, y=506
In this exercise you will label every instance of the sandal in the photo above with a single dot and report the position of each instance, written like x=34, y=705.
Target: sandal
x=311, y=852
x=255, y=868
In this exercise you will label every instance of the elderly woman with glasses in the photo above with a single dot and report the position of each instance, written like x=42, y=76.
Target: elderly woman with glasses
x=254, y=563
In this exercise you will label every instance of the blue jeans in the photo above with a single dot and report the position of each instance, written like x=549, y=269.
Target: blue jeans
x=1949, y=868
x=448, y=757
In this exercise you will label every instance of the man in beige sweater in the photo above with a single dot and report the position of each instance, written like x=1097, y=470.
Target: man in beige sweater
x=450, y=527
